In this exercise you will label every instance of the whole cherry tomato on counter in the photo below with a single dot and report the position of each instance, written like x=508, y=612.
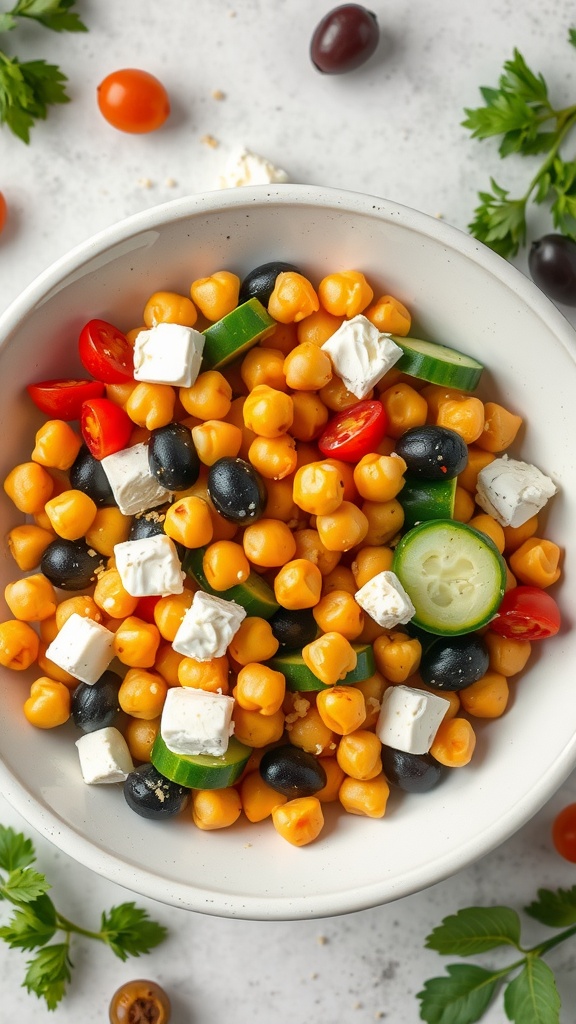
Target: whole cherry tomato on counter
x=105, y=427
x=527, y=613
x=133, y=101
x=64, y=397
x=105, y=352
x=139, y=1000
x=564, y=833
x=354, y=432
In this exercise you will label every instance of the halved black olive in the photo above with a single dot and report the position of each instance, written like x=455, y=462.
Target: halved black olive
x=151, y=795
x=148, y=524
x=259, y=283
x=70, y=564
x=433, y=453
x=172, y=457
x=292, y=771
x=293, y=629
x=236, y=490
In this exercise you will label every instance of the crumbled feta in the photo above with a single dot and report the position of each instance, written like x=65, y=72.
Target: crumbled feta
x=168, y=354
x=104, y=756
x=409, y=718
x=83, y=648
x=208, y=627
x=196, y=721
x=385, y=600
x=361, y=354
x=512, y=491
x=134, y=487
x=247, y=168
x=149, y=566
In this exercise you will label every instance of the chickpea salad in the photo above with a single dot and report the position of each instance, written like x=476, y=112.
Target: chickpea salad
x=274, y=552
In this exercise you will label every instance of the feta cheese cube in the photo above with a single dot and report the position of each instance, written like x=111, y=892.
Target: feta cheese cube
x=409, y=718
x=247, y=168
x=134, y=487
x=361, y=354
x=385, y=600
x=208, y=627
x=104, y=756
x=196, y=721
x=168, y=354
x=83, y=648
x=512, y=491
x=149, y=566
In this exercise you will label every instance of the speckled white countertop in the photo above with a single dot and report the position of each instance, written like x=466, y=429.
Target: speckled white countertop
x=391, y=129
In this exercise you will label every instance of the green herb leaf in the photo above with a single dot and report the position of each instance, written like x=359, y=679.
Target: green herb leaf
x=572, y=36
x=475, y=930
x=53, y=14
x=16, y=851
x=24, y=885
x=520, y=80
x=7, y=22
x=500, y=222
x=31, y=926
x=459, y=998
x=555, y=908
x=48, y=974
x=128, y=930
x=532, y=995
x=26, y=91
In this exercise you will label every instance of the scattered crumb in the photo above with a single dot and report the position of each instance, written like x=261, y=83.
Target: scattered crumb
x=358, y=1006
x=322, y=940
x=217, y=94
x=314, y=975
x=247, y=168
x=379, y=1014
x=247, y=846
x=439, y=216
x=231, y=14
x=209, y=140
x=170, y=182
x=145, y=182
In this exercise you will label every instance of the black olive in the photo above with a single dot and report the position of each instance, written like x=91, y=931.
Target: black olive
x=293, y=629
x=552, y=265
x=86, y=474
x=96, y=706
x=453, y=663
x=292, y=771
x=148, y=524
x=152, y=795
x=70, y=564
x=433, y=453
x=139, y=1000
x=172, y=457
x=345, y=38
x=259, y=283
x=236, y=490
x=414, y=773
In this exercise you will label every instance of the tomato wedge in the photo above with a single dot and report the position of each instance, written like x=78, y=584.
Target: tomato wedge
x=105, y=427
x=105, y=352
x=527, y=613
x=64, y=397
x=354, y=432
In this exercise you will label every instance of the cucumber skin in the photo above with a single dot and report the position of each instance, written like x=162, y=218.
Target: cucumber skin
x=260, y=602
x=177, y=767
x=423, y=500
x=225, y=339
x=303, y=680
x=433, y=369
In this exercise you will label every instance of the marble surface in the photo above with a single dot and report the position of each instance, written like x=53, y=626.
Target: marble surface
x=391, y=129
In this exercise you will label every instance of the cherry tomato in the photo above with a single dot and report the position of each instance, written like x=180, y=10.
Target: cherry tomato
x=564, y=833
x=133, y=101
x=105, y=427
x=527, y=613
x=64, y=397
x=105, y=352
x=145, y=608
x=3, y=211
x=354, y=432
x=139, y=1000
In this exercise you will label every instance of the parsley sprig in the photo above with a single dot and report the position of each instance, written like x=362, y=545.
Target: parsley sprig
x=35, y=921
x=521, y=112
x=28, y=88
x=464, y=994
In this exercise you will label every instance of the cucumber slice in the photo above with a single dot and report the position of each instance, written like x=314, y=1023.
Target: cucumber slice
x=427, y=499
x=254, y=594
x=201, y=771
x=438, y=364
x=453, y=574
x=235, y=333
x=299, y=677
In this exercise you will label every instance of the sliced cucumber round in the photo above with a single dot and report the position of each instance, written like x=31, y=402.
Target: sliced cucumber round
x=254, y=595
x=426, y=499
x=438, y=364
x=201, y=771
x=453, y=574
x=235, y=333
x=299, y=677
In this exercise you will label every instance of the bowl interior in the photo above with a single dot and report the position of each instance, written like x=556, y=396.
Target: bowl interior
x=460, y=294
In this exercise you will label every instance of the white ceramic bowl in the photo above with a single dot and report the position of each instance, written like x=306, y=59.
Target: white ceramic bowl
x=461, y=294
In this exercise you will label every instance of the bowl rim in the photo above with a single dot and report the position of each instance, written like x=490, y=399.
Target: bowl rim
x=188, y=896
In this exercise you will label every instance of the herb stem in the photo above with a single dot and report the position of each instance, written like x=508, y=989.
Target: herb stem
x=544, y=947
x=68, y=926
x=563, y=131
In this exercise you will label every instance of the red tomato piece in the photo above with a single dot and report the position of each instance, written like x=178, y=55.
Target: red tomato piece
x=105, y=352
x=145, y=608
x=133, y=101
x=527, y=613
x=564, y=833
x=64, y=397
x=3, y=211
x=105, y=427
x=354, y=432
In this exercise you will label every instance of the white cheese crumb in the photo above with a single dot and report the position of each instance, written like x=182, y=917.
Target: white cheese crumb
x=361, y=354
x=83, y=648
x=385, y=600
x=247, y=168
x=149, y=566
x=208, y=627
x=196, y=721
x=104, y=756
x=134, y=487
x=512, y=491
x=409, y=718
x=168, y=354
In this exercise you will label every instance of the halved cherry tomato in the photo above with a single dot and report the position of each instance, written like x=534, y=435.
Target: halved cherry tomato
x=105, y=427
x=105, y=352
x=354, y=432
x=64, y=397
x=564, y=833
x=527, y=613
x=133, y=101
x=145, y=608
